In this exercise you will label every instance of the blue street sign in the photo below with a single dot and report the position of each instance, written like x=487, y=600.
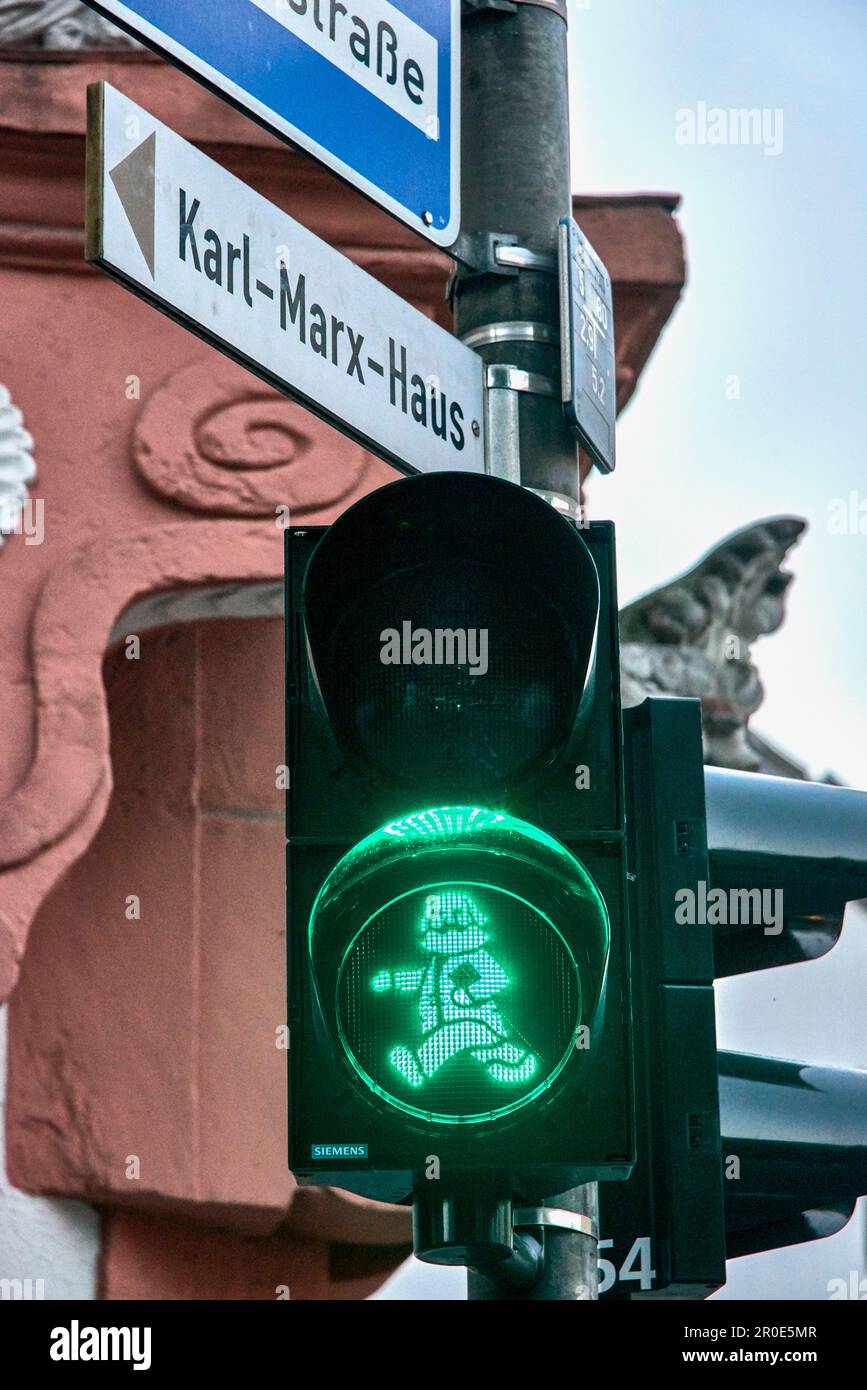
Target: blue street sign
x=371, y=88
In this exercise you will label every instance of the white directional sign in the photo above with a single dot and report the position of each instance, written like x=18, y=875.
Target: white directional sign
x=189, y=237
x=370, y=88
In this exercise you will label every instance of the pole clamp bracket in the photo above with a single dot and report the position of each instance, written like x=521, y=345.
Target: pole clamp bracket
x=500, y=376
x=476, y=253
x=512, y=331
x=494, y=253
x=498, y=253
x=553, y=1216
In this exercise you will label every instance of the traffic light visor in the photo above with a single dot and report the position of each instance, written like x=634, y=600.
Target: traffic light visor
x=451, y=622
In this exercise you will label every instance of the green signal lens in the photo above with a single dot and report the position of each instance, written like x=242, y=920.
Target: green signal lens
x=458, y=1001
x=459, y=950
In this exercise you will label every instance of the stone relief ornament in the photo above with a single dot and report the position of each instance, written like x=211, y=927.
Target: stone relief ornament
x=57, y=24
x=212, y=438
x=17, y=467
x=693, y=637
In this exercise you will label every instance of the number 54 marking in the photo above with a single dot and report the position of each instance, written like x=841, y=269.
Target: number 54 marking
x=635, y=1266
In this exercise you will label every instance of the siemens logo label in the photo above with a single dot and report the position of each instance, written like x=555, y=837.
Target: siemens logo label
x=338, y=1151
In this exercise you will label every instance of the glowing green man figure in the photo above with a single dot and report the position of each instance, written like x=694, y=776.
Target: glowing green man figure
x=455, y=990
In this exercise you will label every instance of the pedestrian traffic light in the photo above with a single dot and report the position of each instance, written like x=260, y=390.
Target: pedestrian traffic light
x=458, y=953
x=735, y=872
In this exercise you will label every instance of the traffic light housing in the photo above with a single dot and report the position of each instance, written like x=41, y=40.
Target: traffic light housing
x=664, y=1229
x=734, y=872
x=794, y=1135
x=502, y=928
x=457, y=945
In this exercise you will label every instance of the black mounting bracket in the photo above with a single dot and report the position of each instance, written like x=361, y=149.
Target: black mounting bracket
x=476, y=253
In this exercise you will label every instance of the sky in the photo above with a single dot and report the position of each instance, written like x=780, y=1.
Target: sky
x=775, y=298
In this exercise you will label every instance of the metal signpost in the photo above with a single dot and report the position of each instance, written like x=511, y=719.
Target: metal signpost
x=372, y=89
x=196, y=242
